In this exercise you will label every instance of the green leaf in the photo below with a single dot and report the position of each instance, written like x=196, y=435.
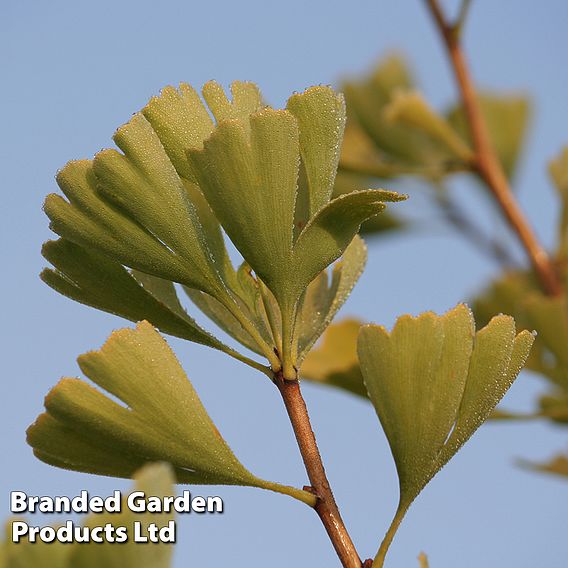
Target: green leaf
x=265, y=177
x=323, y=299
x=433, y=381
x=93, y=279
x=250, y=170
x=250, y=183
x=159, y=418
x=507, y=118
x=25, y=554
x=549, y=316
x=246, y=100
x=144, y=183
x=410, y=108
x=217, y=313
x=396, y=144
x=558, y=170
x=335, y=361
x=558, y=465
x=328, y=234
x=153, y=479
x=181, y=121
x=89, y=221
x=321, y=119
x=383, y=224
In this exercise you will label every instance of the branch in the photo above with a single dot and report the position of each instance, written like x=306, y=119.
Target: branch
x=326, y=507
x=486, y=162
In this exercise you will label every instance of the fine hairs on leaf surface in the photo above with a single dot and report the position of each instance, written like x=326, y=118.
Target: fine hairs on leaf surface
x=433, y=381
x=153, y=479
x=161, y=204
x=162, y=420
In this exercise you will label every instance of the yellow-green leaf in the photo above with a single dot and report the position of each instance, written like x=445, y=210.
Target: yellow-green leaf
x=250, y=183
x=396, y=144
x=558, y=169
x=558, y=465
x=324, y=297
x=433, y=381
x=321, y=119
x=410, y=108
x=159, y=418
x=335, y=361
x=25, y=554
x=156, y=480
x=96, y=280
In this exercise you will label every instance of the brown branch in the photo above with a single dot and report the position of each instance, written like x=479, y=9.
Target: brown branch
x=326, y=507
x=486, y=162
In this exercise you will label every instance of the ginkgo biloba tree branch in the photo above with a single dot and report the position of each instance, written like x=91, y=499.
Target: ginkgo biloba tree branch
x=459, y=219
x=326, y=507
x=485, y=160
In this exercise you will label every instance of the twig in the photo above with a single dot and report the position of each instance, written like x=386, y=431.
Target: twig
x=486, y=162
x=455, y=215
x=326, y=506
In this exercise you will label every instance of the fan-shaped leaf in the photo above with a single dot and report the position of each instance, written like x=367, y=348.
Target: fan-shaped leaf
x=250, y=184
x=323, y=299
x=410, y=108
x=335, y=362
x=163, y=418
x=558, y=465
x=155, y=480
x=433, y=382
x=321, y=119
x=96, y=280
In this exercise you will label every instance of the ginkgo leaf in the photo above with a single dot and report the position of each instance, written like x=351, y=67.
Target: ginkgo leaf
x=26, y=554
x=251, y=171
x=89, y=221
x=155, y=479
x=366, y=100
x=549, y=317
x=423, y=560
x=558, y=465
x=323, y=299
x=327, y=235
x=558, y=170
x=159, y=418
x=433, y=381
x=182, y=179
x=144, y=183
x=554, y=406
x=217, y=313
x=321, y=119
x=383, y=224
x=410, y=108
x=335, y=361
x=96, y=280
x=507, y=118
x=250, y=183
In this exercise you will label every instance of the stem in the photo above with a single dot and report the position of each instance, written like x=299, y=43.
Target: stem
x=462, y=223
x=274, y=325
x=326, y=506
x=486, y=162
x=233, y=307
x=395, y=524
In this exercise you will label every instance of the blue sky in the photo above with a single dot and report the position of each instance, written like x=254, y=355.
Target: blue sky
x=74, y=71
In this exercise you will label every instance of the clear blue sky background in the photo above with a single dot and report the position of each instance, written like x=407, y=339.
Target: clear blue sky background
x=73, y=71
